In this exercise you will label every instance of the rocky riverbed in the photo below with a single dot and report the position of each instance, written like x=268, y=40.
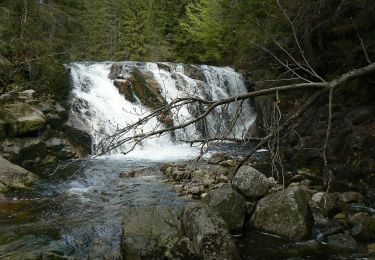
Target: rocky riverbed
x=248, y=215
x=234, y=214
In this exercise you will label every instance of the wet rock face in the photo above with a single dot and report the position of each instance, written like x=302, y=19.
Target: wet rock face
x=251, y=183
x=364, y=228
x=285, y=213
x=19, y=119
x=229, y=204
x=125, y=88
x=78, y=134
x=137, y=84
x=208, y=233
x=14, y=177
x=36, y=153
x=342, y=243
x=149, y=231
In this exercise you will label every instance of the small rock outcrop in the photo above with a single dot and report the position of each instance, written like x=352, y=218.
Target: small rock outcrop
x=251, y=183
x=230, y=204
x=285, y=213
x=208, y=232
x=139, y=84
x=19, y=119
x=196, y=179
x=148, y=232
x=14, y=177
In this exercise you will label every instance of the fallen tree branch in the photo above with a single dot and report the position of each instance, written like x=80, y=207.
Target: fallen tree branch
x=234, y=140
x=118, y=139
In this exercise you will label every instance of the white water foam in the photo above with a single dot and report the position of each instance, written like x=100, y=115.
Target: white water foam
x=100, y=105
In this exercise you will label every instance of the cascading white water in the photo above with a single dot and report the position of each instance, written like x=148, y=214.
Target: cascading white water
x=99, y=104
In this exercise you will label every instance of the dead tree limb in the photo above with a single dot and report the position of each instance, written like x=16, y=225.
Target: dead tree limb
x=234, y=140
x=119, y=138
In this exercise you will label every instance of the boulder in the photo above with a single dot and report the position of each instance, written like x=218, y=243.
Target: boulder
x=251, y=183
x=60, y=148
x=342, y=243
x=33, y=152
x=57, y=116
x=78, y=134
x=217, y=158
x=230, y=204
x=194, y=72
x=350, y=196
x=149, y=231
x=208, y=232
x=11, y=147
x=327, y=203
x=19, y=119
x=14, y=177
x=285, y=213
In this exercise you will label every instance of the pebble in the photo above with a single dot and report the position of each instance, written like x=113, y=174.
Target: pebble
x=340, y=215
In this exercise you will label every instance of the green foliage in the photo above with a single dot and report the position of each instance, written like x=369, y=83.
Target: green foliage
x=204, y=25
x=36, y=37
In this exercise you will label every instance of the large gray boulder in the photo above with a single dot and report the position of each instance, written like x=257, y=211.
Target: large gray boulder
x=14, y=177
x=149, y=231
x=285, y=213
x=251, y=183
x=208, y=232
x=230, y=204
x=19, y=119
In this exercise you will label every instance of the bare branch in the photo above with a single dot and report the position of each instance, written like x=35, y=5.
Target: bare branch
x=297, y=42
x=224, y=139
x=118, y=138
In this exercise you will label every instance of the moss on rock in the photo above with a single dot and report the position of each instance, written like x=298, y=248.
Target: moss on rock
x=19, y=119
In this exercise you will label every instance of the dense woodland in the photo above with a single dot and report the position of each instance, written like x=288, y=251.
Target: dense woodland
x=308, y=92
x=37, y=36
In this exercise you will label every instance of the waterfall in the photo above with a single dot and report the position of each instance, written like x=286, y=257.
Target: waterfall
x=109, y=96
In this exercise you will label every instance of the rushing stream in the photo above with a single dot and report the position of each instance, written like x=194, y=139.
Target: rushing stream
x=81, y=215
x=78, y=213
